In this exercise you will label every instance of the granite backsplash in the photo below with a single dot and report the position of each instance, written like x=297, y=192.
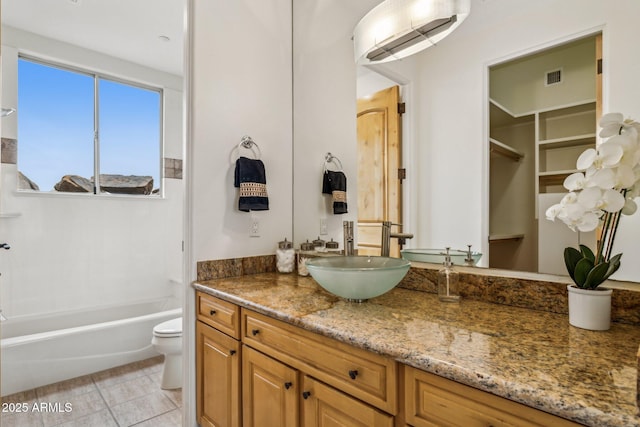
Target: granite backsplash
x=518, y=292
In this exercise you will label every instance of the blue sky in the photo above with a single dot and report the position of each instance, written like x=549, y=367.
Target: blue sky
x=55, y=126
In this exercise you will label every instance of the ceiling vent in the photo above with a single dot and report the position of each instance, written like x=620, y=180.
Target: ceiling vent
x=553, y=77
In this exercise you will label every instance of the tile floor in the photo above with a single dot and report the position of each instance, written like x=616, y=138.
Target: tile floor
x=128, y=395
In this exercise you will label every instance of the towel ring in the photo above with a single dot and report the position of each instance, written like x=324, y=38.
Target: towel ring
x=249, y=144
x=330, y=158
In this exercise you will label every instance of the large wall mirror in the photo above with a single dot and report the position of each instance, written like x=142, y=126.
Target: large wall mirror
x=453, y=194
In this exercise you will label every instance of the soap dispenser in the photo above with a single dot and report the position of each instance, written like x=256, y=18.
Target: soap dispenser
x=448, y=281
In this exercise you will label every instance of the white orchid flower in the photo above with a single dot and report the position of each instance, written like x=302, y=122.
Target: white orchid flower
x=594, y=198
x=624, y=177
x=569, y=199
x=575, y=181
x=605, y=155
x=615, y=124
x=611, y=124
x=578, y=218
x=629, y=144
x=553, y=212
x=601, y=178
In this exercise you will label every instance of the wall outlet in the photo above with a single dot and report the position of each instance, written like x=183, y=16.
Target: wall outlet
x=254, y=228
x=323, y=227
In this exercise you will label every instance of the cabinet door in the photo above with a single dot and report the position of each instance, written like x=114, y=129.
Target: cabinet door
x=217, y=378
x=269, y=390
x=324, y=406
x=433, y=401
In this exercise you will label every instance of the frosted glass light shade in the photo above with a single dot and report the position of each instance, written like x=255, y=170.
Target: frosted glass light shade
x=396, y=29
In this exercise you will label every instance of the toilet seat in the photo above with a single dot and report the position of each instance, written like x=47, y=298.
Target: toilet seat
x=169, y=328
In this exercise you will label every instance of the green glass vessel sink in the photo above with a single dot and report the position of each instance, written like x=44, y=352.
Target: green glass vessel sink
x=436, y=256
x=358, y=278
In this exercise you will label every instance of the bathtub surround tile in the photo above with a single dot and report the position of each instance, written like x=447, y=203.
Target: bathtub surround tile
x=143, y=408
x=9, y=151
x=172, y=168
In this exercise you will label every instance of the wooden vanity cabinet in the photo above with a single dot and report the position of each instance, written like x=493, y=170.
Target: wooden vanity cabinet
x=330, y=382
x=270, y=391
x=218, y=363
x=430, y=400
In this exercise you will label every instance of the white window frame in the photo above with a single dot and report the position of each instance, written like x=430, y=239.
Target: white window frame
x=97, y=76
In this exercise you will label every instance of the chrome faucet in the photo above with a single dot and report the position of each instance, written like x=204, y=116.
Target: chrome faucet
x=2, y=318
x=387, y=235
x=347, y=229
x=469, y=259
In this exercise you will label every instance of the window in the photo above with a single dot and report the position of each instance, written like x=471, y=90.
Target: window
x=76, y=125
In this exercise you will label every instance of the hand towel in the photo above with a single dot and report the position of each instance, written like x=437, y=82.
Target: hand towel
x=251, y=178
x=335, y=183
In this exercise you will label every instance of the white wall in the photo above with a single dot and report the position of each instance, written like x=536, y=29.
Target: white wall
x=324, y=110
x=451, y=127
x=70, y=251
x=241, y=85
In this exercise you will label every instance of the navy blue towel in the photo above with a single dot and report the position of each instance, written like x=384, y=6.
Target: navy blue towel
x=335, y=183
x=251, y=178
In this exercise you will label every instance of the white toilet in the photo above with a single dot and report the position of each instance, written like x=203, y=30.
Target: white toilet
x=167, y=340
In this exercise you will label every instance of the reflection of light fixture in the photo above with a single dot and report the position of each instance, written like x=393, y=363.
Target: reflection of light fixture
x=4, y=112
x=398, y=28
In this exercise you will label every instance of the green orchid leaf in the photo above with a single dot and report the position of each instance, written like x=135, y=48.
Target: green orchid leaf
x=581, y=272
x=571, y=257
x=596, y=276
x=587, y=253
x=614, y=265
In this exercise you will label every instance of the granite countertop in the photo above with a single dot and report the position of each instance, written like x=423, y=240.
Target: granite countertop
x=532, y=357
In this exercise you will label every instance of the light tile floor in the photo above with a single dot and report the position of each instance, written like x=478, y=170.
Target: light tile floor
x=128, y=395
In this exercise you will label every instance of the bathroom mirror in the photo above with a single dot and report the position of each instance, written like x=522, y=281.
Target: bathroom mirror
x=447, y=89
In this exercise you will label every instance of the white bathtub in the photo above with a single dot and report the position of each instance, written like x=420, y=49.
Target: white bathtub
x=42, y=350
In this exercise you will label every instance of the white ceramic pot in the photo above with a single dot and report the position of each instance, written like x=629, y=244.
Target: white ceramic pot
x=590, y=308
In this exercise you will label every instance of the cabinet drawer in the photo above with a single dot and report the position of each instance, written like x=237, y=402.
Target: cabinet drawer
x=367, y=376
x=218, y=313
x=430, y=400
x=321, y=402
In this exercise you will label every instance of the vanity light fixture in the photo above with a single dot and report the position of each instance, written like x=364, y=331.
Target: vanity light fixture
x=396, y=29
